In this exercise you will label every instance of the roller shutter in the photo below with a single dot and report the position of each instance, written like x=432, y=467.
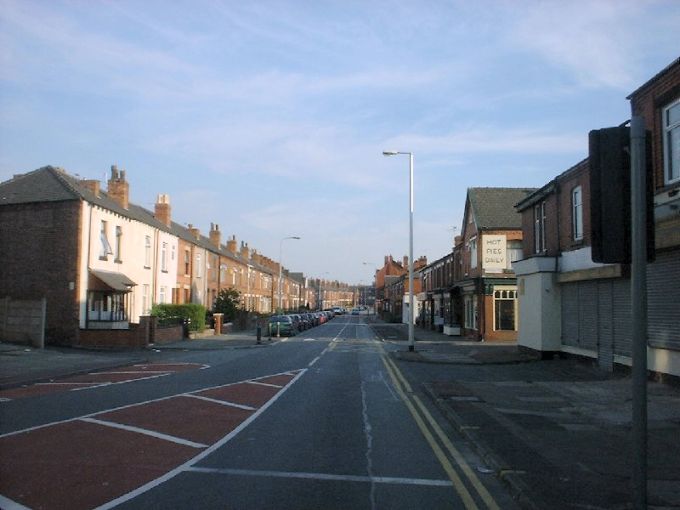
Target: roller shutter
x=663, y=300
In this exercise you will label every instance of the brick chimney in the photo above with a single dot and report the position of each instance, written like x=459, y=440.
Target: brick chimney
x=245, y=251
x=196, y=234
x=162, y=209
x=231, y=244
x=215, y=235
x=405, y=260
x=92, y=185
x=118, y=188
x=387, y=259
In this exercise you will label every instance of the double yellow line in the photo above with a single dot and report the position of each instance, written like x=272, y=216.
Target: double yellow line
x=421, y=415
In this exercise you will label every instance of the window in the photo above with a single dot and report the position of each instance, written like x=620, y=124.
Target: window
x=470, y=312
x=164, y=259
x=577, y=213
x=504, y=304
x=147, y=251
x=199, y=267
x=671, y=142
x=187, y=263
x=163, y=294
x=515, y=252
x=473, y=253
x=172, y=256
x=539, y=228
x=105, y=248
x=118, y=257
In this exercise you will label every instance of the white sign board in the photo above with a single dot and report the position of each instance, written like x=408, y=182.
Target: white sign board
x=494, y=254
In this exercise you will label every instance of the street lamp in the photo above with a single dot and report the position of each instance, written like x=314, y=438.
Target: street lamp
x=411, y=339
x=281, y=265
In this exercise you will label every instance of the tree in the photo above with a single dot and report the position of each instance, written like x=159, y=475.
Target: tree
x=228, y=302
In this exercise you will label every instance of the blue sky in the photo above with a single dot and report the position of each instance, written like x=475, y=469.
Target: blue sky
x=270, y=118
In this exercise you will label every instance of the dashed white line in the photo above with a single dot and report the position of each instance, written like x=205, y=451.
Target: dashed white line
x=147, y=432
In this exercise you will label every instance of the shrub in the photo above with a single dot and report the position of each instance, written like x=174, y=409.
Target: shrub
x=194, y=312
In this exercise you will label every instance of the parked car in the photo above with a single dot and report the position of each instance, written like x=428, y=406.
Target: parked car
x=281, y=325
x=297, y=322
x=355, y=311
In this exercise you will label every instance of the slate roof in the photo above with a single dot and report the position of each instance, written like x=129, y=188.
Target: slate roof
x=494, y=208
x=54, y=184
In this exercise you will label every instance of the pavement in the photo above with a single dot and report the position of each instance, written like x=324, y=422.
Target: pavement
x=557, y=432
x=21, y=365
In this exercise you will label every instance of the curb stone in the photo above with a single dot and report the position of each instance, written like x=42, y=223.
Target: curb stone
x=518, y=489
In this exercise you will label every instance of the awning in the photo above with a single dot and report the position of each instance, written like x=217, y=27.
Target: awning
x=114, y=281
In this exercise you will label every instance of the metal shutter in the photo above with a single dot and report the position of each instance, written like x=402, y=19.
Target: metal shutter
x=587, y=307
x=623, y=323
x=663, y=300
x=570, y=319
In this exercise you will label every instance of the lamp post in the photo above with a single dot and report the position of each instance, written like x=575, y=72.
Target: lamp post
x=411, y=339
x=281, y=265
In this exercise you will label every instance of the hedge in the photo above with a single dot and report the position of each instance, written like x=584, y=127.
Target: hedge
x=195, y=313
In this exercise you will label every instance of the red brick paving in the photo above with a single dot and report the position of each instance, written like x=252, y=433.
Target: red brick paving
x=184, y=417
x=78, y=465
x=41, y=389
x=253, y=395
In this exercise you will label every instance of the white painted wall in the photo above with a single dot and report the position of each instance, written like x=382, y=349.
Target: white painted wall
x=167, y=278
x=540, y=324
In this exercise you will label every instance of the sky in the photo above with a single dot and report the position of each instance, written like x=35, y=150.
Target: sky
x=269, y=118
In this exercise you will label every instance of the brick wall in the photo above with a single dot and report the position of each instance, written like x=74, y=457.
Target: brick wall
x=39, y=258
x=579, y=177
x=648, y=102
x=135, y=337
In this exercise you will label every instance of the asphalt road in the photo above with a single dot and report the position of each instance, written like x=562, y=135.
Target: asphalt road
x=325, y=419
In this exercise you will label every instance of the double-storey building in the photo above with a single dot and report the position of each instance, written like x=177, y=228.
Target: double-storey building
x=572, y=304
x=484, y=294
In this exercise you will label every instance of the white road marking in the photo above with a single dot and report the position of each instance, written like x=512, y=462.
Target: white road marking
x=133, y=372
x=146, y=432
x=109, y=383
x=184, y=467
x=311, y=363
x=68, y=420
x=264, y=384
x=323, y=476
x=222, y=402
x=8, y=504
x=62, y=384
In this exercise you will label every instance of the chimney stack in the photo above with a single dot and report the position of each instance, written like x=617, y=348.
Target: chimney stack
x=405, y=266
x=196, y=234
x=245, y=251
x=215, y=235
x=387, y=259
x=231, y=244
x=162, y=209
x=118, y=188
x=92, y=185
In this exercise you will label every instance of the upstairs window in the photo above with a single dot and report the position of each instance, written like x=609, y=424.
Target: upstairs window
x=671, y=142
x=187, y=263
x=539, y=228
x=577, y=213
x=473, y=253
x=147, y=251
x=164, y=257
x=118, y=256
x=105, y=248
x=199, y=266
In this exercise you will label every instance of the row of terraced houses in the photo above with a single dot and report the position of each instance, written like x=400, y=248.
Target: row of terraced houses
x=522, y=267
x=100, y=262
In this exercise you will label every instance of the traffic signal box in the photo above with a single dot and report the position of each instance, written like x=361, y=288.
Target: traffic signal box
x=610, y=195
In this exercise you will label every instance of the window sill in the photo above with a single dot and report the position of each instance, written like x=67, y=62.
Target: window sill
x=103, y=258
x=164, y=271
x=147, y=267
x=118, y=261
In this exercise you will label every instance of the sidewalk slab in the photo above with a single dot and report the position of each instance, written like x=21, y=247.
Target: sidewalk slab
x=562, y=440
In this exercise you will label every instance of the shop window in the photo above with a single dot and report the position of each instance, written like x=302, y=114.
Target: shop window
x=504, y=302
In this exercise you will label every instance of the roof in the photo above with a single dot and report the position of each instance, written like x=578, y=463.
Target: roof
x=654, y=78
x=494, y=208
x=116, y=281
x=54, y=184
x=547, y=189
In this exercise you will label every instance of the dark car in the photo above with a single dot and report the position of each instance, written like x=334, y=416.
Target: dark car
x=297, y=322
x=281, y=325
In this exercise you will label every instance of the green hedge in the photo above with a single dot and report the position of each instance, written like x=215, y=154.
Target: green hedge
x=195, y=313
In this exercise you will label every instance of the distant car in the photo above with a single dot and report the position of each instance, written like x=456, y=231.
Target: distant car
x=281, y=325
x=355, y=311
